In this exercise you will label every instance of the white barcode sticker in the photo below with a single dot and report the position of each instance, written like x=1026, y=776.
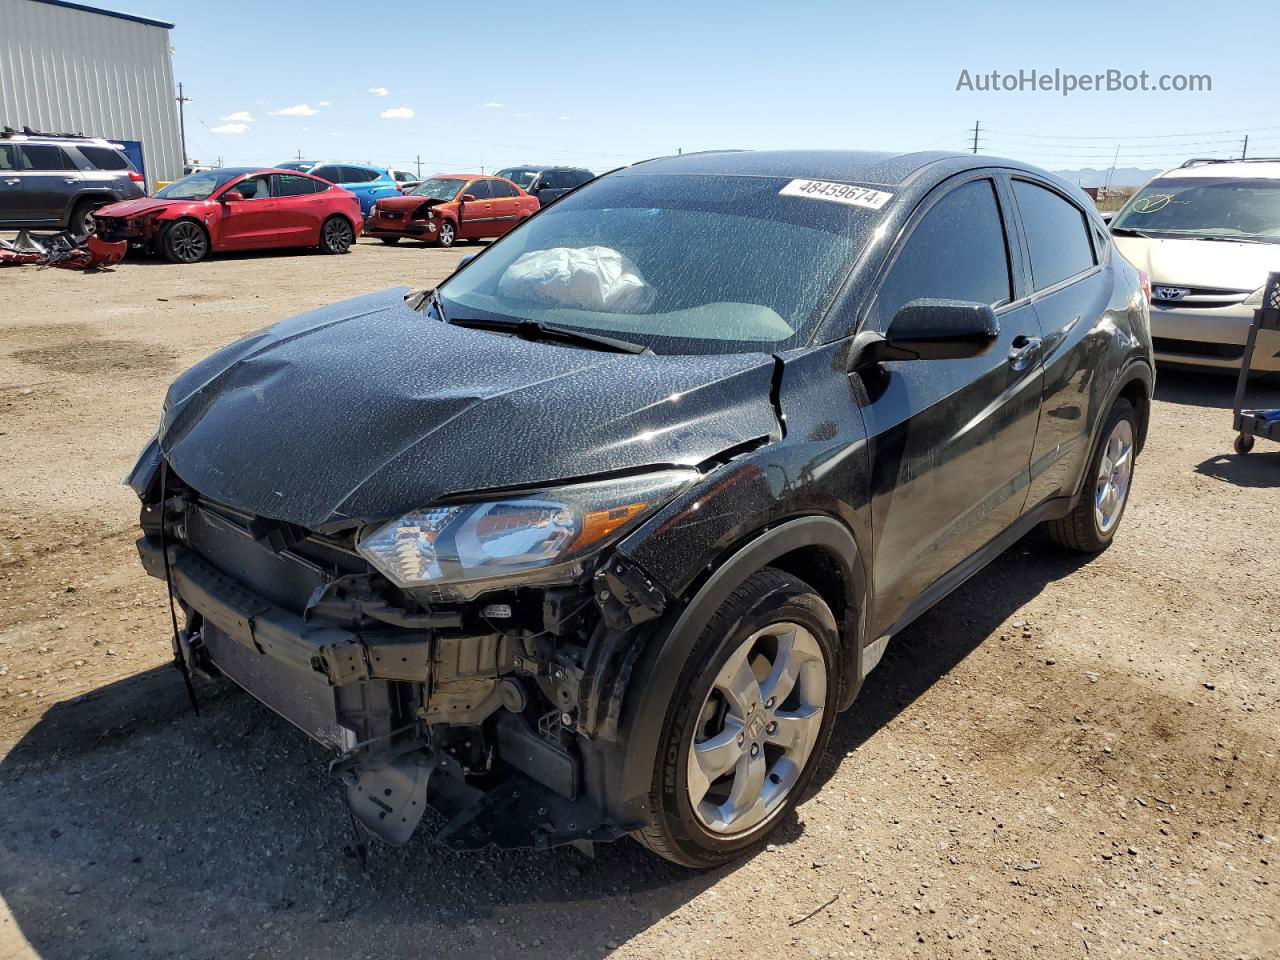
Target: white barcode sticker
x=837, y=193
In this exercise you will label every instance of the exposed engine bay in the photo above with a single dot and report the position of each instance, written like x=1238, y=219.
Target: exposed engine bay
x=496, y=712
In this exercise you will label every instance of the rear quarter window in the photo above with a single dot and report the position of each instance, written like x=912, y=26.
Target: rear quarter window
x=104, y=158
x=1057, y=234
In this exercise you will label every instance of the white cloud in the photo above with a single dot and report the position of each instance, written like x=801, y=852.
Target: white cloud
x=324, y=103
x=379, y=91
x=564, y=118
x=299, y=110
x=230, y=128
x=397, y=113
x=493, y=104
x=240, y=116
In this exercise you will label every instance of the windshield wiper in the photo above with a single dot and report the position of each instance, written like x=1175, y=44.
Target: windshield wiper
x=1130, y=232
x=536, y=330
x=1234, y=239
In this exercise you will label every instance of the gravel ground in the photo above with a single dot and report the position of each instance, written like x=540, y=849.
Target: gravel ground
x=1065, y=759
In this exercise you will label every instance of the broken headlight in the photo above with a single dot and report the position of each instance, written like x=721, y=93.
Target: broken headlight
x=540, y=530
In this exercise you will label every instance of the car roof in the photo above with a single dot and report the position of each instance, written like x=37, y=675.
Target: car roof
x=868, y=166
x=351, y=163
x=538, y=168
x=462, y=176
x=1260, y=169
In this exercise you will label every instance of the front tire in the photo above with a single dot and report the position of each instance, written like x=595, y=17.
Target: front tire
x=184, y=241
x=1091, y=526
x=337, y=235
x=747, y=723
x=447, y=235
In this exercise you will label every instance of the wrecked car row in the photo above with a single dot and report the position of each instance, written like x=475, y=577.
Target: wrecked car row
x=598, y=536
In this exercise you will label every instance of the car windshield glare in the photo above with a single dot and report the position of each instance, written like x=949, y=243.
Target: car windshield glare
x=197, y=186
x=682, y=264
x=438, y=188
x=521, y=178
x=1228, y=207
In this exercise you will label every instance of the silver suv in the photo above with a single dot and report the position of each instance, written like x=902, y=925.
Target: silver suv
x=57, y=182
x=1207, y=234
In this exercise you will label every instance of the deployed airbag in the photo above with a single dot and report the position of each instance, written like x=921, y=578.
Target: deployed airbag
x=586, y=278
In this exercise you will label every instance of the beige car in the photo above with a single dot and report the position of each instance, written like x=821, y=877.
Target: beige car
x=1207, y=234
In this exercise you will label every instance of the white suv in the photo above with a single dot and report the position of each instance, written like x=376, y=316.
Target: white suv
x=1207, y=234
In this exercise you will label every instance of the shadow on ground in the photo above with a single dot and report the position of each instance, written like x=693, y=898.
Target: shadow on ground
x=134, y=829
x=1188, y=388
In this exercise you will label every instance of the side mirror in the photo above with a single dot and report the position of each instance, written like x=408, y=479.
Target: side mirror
x=465, y=260
x=232, y=195
x=468, y=198
x=930, y=330
x=1108, y=216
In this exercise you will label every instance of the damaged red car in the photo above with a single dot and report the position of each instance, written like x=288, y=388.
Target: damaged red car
x=450, y=207
x=235, y=208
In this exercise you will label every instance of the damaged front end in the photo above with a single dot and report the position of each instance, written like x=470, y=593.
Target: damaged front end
x=495, y=702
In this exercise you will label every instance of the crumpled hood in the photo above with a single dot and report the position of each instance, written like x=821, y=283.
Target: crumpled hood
x=406, y=203
x=366, y=409
x=1202, y=263
x=137, y=208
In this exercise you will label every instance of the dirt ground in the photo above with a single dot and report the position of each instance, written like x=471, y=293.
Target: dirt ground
x=1065, y=759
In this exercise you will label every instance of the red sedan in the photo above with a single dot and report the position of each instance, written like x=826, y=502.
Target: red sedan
x=235, y=208
x=449, y=207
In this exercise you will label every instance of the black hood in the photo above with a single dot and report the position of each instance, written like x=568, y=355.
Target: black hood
x=366, y=409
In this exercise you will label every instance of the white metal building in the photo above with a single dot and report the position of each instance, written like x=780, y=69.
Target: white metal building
x=72, y=68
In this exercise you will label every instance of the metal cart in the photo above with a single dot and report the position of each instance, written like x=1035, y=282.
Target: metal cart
x=1257, y=423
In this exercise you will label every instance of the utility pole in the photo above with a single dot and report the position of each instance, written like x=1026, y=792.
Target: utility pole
x=419, y=162
x=1244, y=154
x=183, y=100
x=977, y=126
x=299, y=153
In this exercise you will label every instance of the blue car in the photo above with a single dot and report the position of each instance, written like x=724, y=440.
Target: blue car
x=367, y=182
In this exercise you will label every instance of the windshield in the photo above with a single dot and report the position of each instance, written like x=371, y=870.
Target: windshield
x=198, y=186
x=521, y=178
x=681, y=264
x=437, y=188
x=1228, y=207
x=302, y=165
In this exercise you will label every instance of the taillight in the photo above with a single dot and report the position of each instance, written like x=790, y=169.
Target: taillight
x=136, y=177
x=1146, y=285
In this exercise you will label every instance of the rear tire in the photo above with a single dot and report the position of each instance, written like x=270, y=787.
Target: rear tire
x=82, y=223
x=1091, y=526
x=336, y=235
x=747, y=722
x=184, y=241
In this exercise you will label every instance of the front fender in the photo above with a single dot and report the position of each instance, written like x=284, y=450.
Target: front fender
x=628, y=785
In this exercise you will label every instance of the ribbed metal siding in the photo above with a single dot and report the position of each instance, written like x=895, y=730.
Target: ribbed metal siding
x=71, y=71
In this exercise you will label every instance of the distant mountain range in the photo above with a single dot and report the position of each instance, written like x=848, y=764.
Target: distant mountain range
x=1122, y=177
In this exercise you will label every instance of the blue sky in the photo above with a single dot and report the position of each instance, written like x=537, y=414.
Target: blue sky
x=467, y=86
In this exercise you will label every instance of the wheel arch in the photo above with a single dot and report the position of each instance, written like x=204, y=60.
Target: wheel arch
x=817, y=549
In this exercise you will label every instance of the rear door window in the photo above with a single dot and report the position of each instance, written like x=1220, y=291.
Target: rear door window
x=9, y=159
x=500, y=189
x=357, y=175
x=1057, y=234
x=46, y=156
x=479, y=190
x=288, y=185
x=958, y=251
x=332, y=174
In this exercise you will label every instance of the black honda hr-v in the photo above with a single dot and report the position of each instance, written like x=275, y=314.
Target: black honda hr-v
x=597, y=537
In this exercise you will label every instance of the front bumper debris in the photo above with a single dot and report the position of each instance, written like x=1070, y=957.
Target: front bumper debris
x=429, y=714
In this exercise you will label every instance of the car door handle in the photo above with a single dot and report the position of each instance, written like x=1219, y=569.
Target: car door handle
x=1023, y=352
x=70, y=180
x=11, y=181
